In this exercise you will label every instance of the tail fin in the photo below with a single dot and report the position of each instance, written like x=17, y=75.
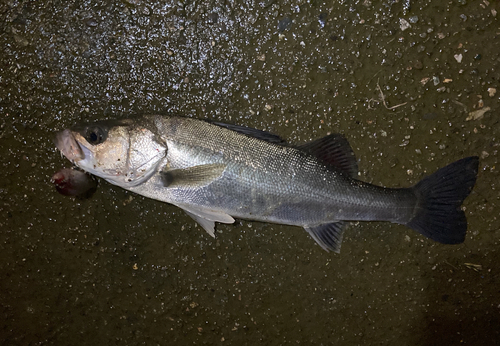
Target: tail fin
x=440, y=195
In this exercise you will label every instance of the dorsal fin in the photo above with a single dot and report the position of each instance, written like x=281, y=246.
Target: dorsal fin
x=259, y=134
x=334, y=150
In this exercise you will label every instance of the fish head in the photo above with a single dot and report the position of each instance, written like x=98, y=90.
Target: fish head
x=122, y=152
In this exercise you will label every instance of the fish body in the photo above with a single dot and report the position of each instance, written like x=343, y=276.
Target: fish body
x=218, y=172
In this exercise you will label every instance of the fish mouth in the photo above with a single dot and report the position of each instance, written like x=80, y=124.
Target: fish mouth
x=66, y=142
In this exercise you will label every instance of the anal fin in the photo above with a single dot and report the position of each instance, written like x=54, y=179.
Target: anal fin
x=328, y=236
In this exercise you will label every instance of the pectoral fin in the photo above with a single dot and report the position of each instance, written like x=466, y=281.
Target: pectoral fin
x=328, y=236
x=206, y=218
x=195, y=176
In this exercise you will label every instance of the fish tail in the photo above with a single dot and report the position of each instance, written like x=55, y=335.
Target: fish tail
x=440, y=195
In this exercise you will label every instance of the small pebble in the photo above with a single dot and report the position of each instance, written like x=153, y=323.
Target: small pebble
x=418, y=65
x=213, y=18
x=133, y=2
x=91, y=23
x=322, y=19
x=424, y=80
x=479, y=114
x=284, y=24
x=403, y=24
x=458, y=58
x=492, y=92
x=414, y=19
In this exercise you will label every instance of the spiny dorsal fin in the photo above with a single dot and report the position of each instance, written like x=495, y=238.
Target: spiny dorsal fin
x=335, y=151
x=259, y=134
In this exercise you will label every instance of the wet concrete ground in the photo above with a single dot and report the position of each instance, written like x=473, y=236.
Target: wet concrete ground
x=399, y=78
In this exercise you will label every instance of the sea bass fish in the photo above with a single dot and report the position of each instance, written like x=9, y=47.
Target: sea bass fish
x=217, y=172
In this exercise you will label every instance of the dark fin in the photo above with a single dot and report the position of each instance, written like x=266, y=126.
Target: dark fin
x=259, y=134
x=195, y=176
x=439, y=196
x=334, y=150
x=328, y=236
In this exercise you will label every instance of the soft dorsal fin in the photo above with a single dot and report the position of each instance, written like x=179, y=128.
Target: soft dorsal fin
x=259, y=134
x=335, y=151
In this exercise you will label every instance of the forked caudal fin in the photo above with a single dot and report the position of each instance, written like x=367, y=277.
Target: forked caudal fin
x=440, y=196
x=438, y=215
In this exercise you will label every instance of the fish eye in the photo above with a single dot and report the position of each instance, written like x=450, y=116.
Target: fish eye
x=95, y=135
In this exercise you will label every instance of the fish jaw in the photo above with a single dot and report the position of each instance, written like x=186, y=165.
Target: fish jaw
x=76, y=148
x=67, y=144
x=71, y=145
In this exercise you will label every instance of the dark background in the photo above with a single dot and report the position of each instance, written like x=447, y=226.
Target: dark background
x=121, y=269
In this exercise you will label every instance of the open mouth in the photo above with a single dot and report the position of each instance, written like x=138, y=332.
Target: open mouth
x=65, y=141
